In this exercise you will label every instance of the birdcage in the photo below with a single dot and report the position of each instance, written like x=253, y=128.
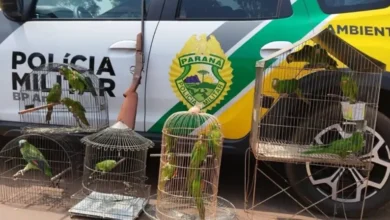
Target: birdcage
x=189, y=166
x=114, y=174
x=37, y=169
x=315, y=105
x=66, y=97
x=296, y=87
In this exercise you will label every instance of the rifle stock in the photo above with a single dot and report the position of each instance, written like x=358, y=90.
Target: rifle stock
x=138, y=67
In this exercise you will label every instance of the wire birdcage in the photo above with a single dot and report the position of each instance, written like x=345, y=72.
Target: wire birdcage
x=114, y=173
x=296, y=84
x=53, y=79
x=189, y=166
x=37, y=169
x=315, y=105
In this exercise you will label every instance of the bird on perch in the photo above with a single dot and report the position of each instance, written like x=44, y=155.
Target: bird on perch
x=35, y=159
x=53, y=97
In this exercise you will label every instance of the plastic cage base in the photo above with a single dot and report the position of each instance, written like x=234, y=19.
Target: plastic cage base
x=106, y=209
x=225, y=210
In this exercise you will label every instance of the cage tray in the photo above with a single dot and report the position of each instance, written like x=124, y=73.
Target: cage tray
x=225, y=210
x=107, y=208
x=290, y=153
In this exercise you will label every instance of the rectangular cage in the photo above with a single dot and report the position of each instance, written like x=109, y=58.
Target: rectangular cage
x=316, y=101
x=40, y=82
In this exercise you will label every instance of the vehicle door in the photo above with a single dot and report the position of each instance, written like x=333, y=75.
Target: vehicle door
x=222, y=78
x=364, y=24
x=97, y=34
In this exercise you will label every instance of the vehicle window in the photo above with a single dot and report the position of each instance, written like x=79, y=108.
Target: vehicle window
x=89, y=9
x=344, y=6
x=234, y=9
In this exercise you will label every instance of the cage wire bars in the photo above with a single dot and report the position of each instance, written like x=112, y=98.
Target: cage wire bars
x=114, y=174
x=294, y=90
x=47, y=158
x=40, y=83
x=190, y=162
x=22, y=183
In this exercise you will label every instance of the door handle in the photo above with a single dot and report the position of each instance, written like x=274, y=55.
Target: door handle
x=125, y=44
x=273, y=47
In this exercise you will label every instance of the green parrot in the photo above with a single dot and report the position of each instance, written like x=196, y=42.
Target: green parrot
x=314, y=55
x=196, y=192
x=287, y=87
x=198, y=156
x=54, y=96
x=170, y=141
x=76, y=109
x=34, y=158
x=105, y=166
x=349, y=88
x=76, y=80
x=167, y=173
x=214, y=144
x=215, y=136
x=342, y=147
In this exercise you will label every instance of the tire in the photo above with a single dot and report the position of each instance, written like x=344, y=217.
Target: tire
x=310, y=191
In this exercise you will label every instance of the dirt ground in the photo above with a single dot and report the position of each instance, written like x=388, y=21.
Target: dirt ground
x=231, y=188
x=15, y=213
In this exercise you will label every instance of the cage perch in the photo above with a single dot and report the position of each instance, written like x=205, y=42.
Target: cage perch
x=53, y=101
x=37, y=108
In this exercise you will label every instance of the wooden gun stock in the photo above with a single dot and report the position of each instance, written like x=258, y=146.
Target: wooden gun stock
x=128, y=110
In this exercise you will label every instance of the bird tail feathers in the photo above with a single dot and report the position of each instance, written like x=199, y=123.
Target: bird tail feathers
x=316, y=149
x=48, y=114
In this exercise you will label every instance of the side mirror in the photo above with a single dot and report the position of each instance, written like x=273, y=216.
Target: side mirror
x=13, y=9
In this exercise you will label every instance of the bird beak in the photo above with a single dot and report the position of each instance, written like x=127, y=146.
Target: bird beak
x=21, y=142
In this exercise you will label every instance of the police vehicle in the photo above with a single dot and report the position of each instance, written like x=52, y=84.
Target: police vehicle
x=101, y=35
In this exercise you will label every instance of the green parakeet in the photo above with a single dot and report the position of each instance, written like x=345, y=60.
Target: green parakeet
x=196, y=193
x=198, y=156
x=170, y=141
x=287, y=87
x=34, y=158
x=105, y=166
x=342, y=147
x=76, y=80
x=76, y=109
x=314, y=55
x=167, y=173
x=349, y=88
x=54, y=96
x=215, y=136
x=215, y=147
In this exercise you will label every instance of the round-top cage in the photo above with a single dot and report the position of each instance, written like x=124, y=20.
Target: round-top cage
x=38, y=169
x=189, y=166
x=63, y=95
x=115, y=164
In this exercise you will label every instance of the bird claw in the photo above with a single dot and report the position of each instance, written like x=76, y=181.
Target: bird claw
x=20, y=172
